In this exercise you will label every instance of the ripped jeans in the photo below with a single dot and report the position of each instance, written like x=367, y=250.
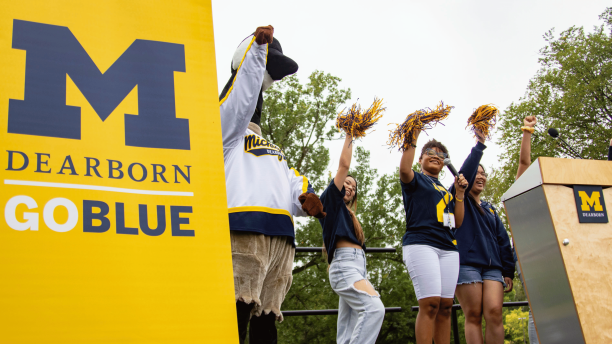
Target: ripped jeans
x=360, y=315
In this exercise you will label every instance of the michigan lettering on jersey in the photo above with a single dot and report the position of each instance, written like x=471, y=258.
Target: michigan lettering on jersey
x=442, y=206
x=259, y=147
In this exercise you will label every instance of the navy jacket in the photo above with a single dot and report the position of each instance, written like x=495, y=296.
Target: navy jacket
x=482, y=239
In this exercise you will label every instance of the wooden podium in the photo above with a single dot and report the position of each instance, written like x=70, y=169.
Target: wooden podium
x=566, y=264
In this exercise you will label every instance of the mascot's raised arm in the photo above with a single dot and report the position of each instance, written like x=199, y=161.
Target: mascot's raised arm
x=263, y=193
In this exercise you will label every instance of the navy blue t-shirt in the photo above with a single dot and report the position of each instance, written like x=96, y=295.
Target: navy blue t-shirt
x=425, y=202
x=338, y=222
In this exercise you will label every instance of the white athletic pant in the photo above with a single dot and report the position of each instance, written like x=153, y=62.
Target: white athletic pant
x=433, y=271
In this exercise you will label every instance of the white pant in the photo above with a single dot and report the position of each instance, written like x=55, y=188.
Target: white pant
x=433, y=271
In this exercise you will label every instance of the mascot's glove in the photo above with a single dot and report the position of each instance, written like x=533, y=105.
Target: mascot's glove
x=264, y=35
x=312, y=205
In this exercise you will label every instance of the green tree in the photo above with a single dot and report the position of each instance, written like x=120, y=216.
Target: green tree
x=299, y=118
x=296, y=118
x=572, y=91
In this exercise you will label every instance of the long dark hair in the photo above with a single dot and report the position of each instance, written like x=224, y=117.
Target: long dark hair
x=352, y=208
x=478, y=207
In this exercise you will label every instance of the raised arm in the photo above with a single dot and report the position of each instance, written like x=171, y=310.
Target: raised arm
x=345, y=162
x=460, y=186
x=525, y=155
x=238, y=105
x=406, y=172
x=469, y=169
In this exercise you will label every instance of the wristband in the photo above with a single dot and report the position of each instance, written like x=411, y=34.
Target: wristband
x=413, y=145
x=529, y=129
x=457, y=199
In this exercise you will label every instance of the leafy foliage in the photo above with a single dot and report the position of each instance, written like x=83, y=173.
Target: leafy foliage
x=296, y=118
x=516, y=331
x=572, y=91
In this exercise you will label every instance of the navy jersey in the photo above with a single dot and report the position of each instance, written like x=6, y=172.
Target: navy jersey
x=425, y=202
x=338, y=223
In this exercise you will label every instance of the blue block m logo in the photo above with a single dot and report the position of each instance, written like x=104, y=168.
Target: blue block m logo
x=53, y=52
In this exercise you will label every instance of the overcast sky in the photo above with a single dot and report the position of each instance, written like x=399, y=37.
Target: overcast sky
x=411, y=53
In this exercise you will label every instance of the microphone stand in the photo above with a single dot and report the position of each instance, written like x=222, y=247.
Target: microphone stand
x=570, y=147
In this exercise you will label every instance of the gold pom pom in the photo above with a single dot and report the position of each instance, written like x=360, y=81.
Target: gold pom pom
x=483, y=119
x=404, y=135
x=356, y=122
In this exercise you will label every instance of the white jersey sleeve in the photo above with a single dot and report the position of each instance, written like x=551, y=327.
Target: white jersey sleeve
x=239, y=103
x=299, y=184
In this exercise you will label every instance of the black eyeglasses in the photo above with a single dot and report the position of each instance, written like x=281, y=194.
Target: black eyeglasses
x=432, y=152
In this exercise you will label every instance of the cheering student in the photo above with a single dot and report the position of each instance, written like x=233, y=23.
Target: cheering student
x=430, y=251
x=485, y=256
x=360, y=310
x=524, y=162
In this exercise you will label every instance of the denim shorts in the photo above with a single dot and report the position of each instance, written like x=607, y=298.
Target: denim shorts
x=471, y=274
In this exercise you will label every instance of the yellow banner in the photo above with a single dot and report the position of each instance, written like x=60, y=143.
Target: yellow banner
x=112, y=187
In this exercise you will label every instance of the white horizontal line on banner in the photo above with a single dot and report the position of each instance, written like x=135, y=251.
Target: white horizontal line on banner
x=96, y=187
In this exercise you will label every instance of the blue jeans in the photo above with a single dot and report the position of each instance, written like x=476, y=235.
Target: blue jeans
x=360, y=315
x=471, y=274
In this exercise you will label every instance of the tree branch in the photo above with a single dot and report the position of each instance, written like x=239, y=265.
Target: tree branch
x=312, y=262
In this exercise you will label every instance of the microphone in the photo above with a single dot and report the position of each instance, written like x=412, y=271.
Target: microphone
x=554, y=133
x=449, y=165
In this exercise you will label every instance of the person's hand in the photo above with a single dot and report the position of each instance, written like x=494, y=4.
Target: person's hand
x=312, y=205
x=509, y=285
x=460, y=185
x=530, y=121
x=479, y=136
x=610, y=142
x=264, y=35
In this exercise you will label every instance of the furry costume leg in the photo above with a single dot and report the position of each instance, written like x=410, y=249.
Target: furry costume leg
x=243, y=311
x=262, y=270
x=263, y=329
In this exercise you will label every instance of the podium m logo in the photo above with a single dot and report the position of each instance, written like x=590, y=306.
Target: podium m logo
x=54, y=52
x=590, y=201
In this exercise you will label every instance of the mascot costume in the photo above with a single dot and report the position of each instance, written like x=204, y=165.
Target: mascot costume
x=263, y=194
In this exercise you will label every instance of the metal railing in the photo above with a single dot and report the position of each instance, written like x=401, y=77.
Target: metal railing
x=335, y=311
x=330, y=312
x=454, y=321
x=368, y=250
